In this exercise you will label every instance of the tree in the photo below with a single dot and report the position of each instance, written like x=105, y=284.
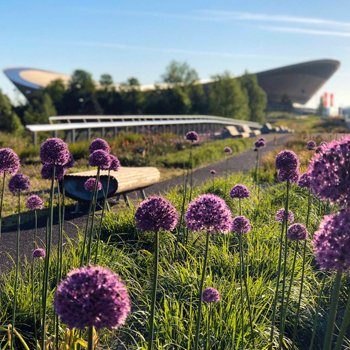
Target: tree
x=56, y=90
x=106, y=81
x=9, y=120
x=286, y=103
x=39, y=110
x=257, y=99
x=320, y=108
x=179, y=73
x=227, y=98
x=132, y=98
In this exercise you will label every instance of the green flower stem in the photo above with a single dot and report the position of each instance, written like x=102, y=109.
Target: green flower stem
x=243, y=277
x=240, y=206
x=198, y=322
x=33, y=298
x=85, y=234
x=327, y=345
x=344, y=326
x=208, y=327
x=90, y=338
x=241, y=288
x=274, y=305
x=226, y=173
x=296, y=321
x=36, y=228
x=191, y=172
x=47, y=261
x=2, y=200
x=101, y=218
x=17, y=268
x=154, y=291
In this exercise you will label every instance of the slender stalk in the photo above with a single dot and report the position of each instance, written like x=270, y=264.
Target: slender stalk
x=198, y=322
x=85, y=234
x=327, y=345
x=191, y=173
x=33, y=299
x=90, y=338
x=240, y=206
x=274, y=306
x=47, y=261
x=208, y=327
x=35, y=234
x=344, y=326
x=17, y=268
x=226, y=172
x=154, y=291
x=2, y=200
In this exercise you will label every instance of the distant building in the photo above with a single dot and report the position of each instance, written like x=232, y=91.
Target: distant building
x=297, y=83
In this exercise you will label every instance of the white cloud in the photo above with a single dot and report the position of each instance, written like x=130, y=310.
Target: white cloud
x=317, y=32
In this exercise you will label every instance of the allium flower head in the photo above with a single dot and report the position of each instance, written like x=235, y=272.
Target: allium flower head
x=291, y=176
x=210, y=295
x=260, y=143
x=311, y=145
x=280, y=215
x=304, y=180
x=9, y=161
x=100, y=159
x=19, y=183
x=228, y=150
x=115, y=163
x=155, y=214
x=213, y=172
x=192, y=136
x=241, y=225
x=208, y=213
x=332, y=242
x=92, y=296
x=297, y=232
x=287, y=161
x=34, y=202
x=239, y=191
x=71, y=161
x=329, y=172
x=99, y=144
x=47, y=171
x=54, y=151
x=39, y=253
x=90, y=184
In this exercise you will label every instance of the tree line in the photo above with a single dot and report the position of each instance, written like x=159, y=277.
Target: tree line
x=178, y=93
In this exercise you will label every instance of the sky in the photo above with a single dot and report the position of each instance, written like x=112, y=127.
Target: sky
x=139, y=38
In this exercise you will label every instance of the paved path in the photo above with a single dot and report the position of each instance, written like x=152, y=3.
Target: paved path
x=241, y=162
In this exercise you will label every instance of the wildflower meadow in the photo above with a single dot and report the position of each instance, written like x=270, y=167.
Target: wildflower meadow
x=243, y=261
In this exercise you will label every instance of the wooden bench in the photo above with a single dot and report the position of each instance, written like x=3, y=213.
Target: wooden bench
x=122, y=182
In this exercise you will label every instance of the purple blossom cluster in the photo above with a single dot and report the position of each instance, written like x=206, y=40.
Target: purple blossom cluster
x=239, y=191
x=92, y=296
x=39, y=253
x=34, y=202
x=332, y=242
x=19, y=183
x=99, y=144
x=210, y=295
x=47, y=171
x=311, y=145
x=228, y=150
x=291, y=176
x=90, y=184
x=208, y=213
x=54, y=151
x=115, y=163
x=100, y=159
x=260, y=143
x=287, y=164
x=9, y=161
x=329, y=172
x=304, y=180
x=155, y=214
x=241, y=224
x=297, y=232
x=281, y=213
x=213, y=171
x=192, y=136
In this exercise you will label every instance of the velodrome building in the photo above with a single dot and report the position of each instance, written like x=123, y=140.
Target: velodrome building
x=299, y=81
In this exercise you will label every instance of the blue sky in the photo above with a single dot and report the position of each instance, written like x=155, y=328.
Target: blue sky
x=139, y=38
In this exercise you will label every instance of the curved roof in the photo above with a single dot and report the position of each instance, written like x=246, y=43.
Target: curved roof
x=299, y=81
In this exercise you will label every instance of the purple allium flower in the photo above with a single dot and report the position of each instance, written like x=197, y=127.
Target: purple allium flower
x=39, y=253
x=297, y=232
x=54, y=151
x=208, y=213
x=100, y=159
x=192, y=136
x=34, y=202
x=280, y=215
x=329, y=172
x=292, y=175
x=47, y=171
x=228, y=150
x=90, y=184
x=92, y=296
x=213, y=172
x=99, y=144
x=311, y=145
x=115, y=163
x=304, y=180
x=9, y=161
x=19, y=183
x=332, y=242
x=239, y=191
x=210, y=295
x=71, y=161
x=241, y=224
x=260, y=143
x=156, y=213
x=287, y=161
